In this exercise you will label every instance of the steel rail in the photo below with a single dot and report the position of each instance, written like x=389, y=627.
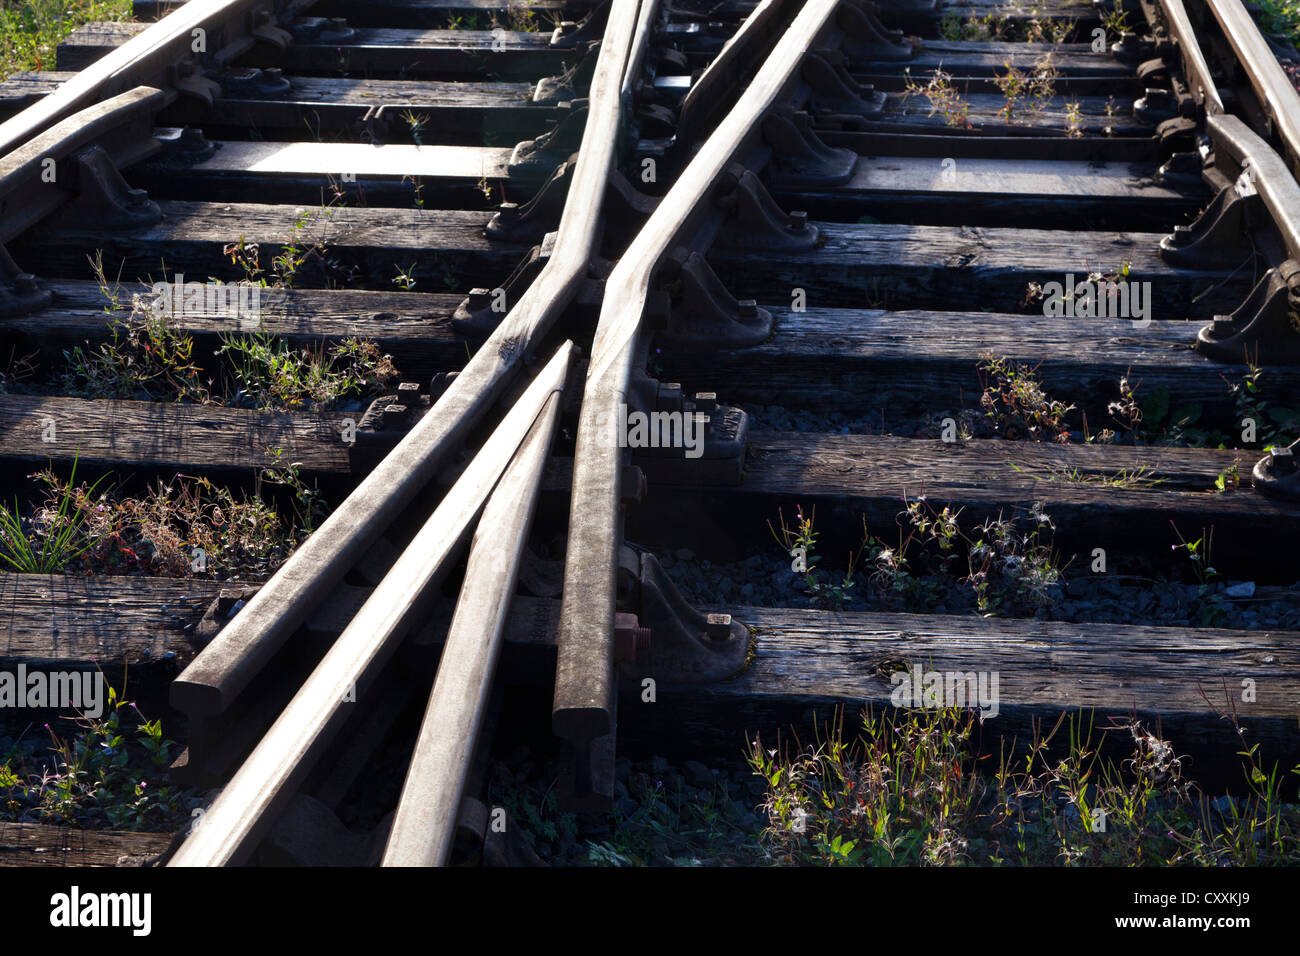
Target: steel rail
x=424, y=825
x=223, y=668
x=1195, y=69
x=231, y=28
x=229, y=830
x=585, y=691
x=1269, y=174
x=1277, y=97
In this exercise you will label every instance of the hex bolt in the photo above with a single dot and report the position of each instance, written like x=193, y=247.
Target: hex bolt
x=706, y=401
x=392, y=415
x=25, y=282
x=634, y=485
x=408, y=390
x=630, y=639
x=508, y=210
x=567, y=27
x=748, y=308
x=669, y=397
x=798, y=221
x=717, y=627
x=479, y=299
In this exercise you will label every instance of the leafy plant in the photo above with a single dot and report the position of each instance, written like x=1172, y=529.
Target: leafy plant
x=267, y=373
x=57, y=539
x=108, y=774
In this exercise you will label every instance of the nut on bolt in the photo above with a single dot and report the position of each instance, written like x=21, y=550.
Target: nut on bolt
x=479, y=299
x=748, y=308
x=669, y=398
x=630, y=639
x=717, y=627
x=798, y=221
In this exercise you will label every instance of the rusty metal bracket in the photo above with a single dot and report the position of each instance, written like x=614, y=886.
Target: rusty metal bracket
x=1265, y=328
x=869, y=39
x=685, y=646
x=835, y=93
x=482, y=310
x=700, y=313
x=21, y=293
x=1221, y=234
x=800, y=158
x=104, y=200
x=754, y=219
x=534, y=159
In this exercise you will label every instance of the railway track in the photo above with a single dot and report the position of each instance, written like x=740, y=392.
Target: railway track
x=992, y=281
